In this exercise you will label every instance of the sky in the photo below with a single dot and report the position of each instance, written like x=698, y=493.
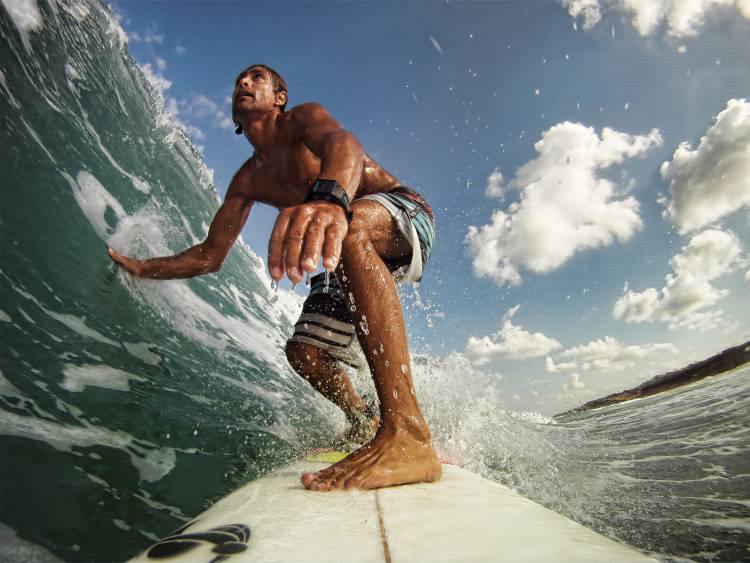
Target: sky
x=588, y=162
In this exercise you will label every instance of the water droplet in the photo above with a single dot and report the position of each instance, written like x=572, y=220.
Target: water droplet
x=387, y=363
x=404, y=369
x=395, y=393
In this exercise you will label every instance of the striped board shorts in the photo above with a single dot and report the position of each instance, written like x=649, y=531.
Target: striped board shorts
x=326, y=321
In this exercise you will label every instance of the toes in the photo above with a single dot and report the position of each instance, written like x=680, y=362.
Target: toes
x=320, y=486
x=308, y=478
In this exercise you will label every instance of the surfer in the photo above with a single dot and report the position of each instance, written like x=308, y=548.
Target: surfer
x=336, y=204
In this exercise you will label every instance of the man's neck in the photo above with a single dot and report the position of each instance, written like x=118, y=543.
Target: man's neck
x=261, y=130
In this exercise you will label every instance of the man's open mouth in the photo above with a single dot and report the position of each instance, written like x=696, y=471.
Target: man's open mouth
x=244, y=95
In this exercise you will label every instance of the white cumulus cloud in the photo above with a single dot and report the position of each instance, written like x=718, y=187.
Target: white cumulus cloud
x=682, y=18
x=609, y=354
x=712, y=180
x=574, y=382
x=203, y=108
x=511, y=342
x=687, y=292
x=551, y=366
x=587, y=10
x=566, y=205
x=494, y=184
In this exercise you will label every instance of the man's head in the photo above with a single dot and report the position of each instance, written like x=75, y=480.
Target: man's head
x=258, y=87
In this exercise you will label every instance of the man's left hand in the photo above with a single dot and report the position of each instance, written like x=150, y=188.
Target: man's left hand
x=304, y=233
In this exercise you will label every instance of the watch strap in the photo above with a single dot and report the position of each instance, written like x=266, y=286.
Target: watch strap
x=330, y=191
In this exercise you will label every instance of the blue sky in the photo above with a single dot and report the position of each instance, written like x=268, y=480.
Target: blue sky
x=579, y=248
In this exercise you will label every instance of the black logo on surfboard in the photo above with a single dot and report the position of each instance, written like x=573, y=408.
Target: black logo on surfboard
x=227, y=540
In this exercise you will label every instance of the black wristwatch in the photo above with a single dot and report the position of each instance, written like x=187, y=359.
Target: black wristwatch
x=332, y=192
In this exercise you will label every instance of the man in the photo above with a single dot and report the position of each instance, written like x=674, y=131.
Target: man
x=338, y=205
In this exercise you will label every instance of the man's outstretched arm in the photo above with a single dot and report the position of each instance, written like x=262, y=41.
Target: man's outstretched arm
x=208, y=256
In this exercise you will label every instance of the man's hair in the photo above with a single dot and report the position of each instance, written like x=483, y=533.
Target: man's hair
x=278, y=83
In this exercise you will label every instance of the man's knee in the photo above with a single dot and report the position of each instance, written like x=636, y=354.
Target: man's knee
x=358, y=235
x=298, y=354
x=306, y=359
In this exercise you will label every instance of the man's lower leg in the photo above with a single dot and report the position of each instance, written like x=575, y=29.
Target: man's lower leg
x=326, y=376
x=401, y=451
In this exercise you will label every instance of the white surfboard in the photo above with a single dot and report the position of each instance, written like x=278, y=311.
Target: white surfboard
x=463, y=517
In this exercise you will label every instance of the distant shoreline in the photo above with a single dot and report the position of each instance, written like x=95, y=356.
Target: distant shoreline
x=727, y=360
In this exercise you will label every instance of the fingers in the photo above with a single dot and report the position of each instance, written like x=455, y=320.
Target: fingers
x=314, y=243
x=301, y=235
x=295, y=237
x=276, y=245
x=116, y=257
x=334, y=238
x=127, y=264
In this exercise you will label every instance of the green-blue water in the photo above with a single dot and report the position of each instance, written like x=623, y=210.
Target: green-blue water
x=127, y=406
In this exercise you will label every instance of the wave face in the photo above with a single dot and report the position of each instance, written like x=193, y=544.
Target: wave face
x=127, y=406
x=117, y=392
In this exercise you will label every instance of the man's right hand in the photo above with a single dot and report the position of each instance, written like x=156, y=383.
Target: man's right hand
x=127, y=264
x=302, y=235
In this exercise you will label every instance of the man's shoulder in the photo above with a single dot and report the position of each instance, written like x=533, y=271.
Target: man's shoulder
x=306, y=113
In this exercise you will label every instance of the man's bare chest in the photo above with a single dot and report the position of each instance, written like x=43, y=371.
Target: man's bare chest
x=285, y=176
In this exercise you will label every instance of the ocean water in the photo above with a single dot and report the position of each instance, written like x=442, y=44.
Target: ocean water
x=128, y=406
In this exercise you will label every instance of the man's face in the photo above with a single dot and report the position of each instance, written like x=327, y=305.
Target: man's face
x=253, y=91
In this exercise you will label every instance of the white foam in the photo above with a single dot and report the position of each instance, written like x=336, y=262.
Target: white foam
x=78, y=10
x=148, y=500
x=4, y=317
x=26, y=17
x=13, y=548
x=77, y=378
x=152, y=463
x=7, y=389
x=71, y=72
x=94, y=200
x=142, y=351
x=138, y=184
x=8, y=93
x=115, y=32
x=79, y=326
x=120, y=524
x=38, y=140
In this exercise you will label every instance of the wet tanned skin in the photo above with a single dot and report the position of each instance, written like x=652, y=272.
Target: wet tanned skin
x=292, y=150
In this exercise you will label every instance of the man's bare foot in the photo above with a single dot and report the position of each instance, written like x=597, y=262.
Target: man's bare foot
x=393, y=457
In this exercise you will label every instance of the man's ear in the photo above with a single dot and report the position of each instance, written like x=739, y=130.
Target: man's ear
x=281, y=98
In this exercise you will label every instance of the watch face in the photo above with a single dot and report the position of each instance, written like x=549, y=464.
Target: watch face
x=325, y=186
x=331, y=188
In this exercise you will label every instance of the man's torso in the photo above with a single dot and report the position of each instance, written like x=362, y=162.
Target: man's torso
x=283, y=177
